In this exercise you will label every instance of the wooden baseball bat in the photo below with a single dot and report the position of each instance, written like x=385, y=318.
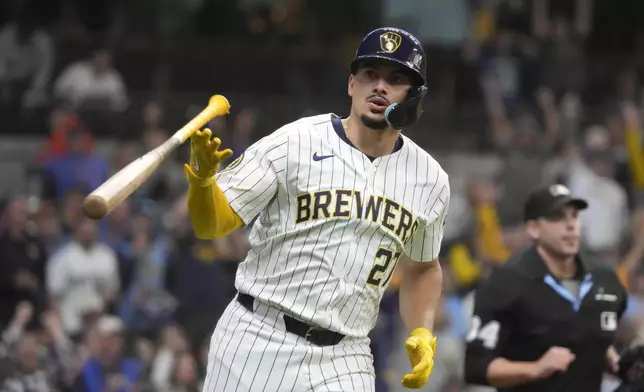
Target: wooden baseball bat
x=122, y=184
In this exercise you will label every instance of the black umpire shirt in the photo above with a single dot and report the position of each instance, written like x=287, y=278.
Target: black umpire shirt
x=522, y=310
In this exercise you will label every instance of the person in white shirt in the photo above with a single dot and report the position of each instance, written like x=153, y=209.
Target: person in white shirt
x=92, y=83
x=591, y=176
x=26, y=57
x=80, y=273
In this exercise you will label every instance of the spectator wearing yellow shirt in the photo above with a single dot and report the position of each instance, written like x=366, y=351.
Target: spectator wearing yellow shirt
x=633, y=143
x=489, y=234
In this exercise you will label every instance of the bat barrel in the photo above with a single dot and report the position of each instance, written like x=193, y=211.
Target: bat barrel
x=126, y=181
x=122, y=184
x=95, y=206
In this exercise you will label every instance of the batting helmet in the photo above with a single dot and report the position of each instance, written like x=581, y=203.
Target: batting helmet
x=400, y=47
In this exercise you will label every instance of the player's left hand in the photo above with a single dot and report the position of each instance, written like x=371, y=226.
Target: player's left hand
x=420, y=347
x=205, y=156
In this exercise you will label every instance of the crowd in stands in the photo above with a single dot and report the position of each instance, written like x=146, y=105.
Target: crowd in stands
x=132, y=299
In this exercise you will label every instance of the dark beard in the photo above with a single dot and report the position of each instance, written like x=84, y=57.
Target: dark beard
x=378, y=125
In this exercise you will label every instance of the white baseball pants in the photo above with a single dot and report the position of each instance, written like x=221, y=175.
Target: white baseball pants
x=252, y=351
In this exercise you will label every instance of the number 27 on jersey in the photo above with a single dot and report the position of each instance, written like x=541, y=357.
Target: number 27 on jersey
x=384, y=268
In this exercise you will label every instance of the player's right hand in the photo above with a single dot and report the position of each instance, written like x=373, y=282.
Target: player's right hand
x=205, y=156
x=420, y=346
x=555, y=360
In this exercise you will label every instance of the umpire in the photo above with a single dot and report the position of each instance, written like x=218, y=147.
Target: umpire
x=546, y=319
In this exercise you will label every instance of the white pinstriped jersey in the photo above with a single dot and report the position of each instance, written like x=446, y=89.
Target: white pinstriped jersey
x=329, y=224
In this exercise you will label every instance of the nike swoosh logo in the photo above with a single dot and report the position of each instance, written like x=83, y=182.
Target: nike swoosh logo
x=317, y=157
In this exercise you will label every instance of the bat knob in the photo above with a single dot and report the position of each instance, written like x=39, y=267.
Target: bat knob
x=221, y=103
x=95, y=207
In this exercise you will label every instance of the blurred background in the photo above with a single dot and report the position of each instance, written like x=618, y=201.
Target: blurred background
x=522, y=93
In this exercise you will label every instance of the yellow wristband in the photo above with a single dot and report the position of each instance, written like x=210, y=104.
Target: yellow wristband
x=195, y=180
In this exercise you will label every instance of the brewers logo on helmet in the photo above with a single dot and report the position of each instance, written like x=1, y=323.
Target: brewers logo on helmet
x=390, y=41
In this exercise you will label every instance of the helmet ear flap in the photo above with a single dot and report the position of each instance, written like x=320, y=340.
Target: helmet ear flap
x=400, y=115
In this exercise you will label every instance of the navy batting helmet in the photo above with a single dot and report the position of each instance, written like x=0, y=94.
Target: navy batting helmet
x=400, y=47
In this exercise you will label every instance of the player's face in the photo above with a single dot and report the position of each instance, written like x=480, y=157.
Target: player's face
x=374, y=87
x=560, y=233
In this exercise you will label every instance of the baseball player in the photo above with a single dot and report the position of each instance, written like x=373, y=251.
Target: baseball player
x=334, y=205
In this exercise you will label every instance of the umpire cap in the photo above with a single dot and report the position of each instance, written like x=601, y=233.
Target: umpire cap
x=546, y=201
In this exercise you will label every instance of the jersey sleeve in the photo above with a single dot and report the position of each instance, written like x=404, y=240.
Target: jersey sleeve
x=490, y=326
x=623, y=298
x=425, y=242
x=250, y=181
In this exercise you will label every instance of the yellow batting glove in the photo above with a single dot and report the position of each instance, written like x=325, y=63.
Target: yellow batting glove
x=205, y=156
x=420, y=347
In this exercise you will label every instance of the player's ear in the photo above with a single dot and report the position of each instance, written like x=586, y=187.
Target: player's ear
x=532, y=228
x=350, y=85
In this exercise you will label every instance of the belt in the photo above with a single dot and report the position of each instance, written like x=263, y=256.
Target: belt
x=312, y=334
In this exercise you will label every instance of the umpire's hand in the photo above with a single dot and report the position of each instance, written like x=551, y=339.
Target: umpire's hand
x=555, y=360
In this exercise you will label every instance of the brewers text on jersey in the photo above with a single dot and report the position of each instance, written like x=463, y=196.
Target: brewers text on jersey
x=347, y=203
